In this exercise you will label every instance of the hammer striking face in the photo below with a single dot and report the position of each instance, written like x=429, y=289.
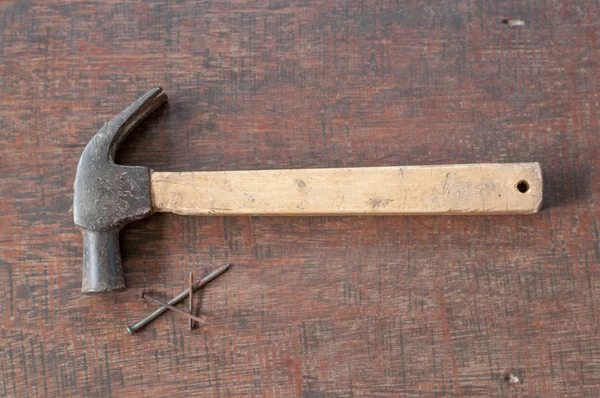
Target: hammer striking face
x=108, y=196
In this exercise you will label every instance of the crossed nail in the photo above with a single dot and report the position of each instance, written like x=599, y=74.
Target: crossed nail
x=170, y=305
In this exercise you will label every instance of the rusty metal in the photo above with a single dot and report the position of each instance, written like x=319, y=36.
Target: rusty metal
x=148, y=297
x=107, y=196
x=191, y=299
x=138, y=325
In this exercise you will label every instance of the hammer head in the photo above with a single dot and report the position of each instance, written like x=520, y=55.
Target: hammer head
x=108, y=196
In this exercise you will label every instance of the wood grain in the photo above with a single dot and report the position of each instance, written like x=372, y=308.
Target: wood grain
x=409, y=190
x=313, y=306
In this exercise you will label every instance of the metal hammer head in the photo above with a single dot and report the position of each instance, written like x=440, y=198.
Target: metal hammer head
x=108, y=196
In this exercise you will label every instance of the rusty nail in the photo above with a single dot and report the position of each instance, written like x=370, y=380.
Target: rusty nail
x=138, y=325
x=191, y=303
x=146, y=296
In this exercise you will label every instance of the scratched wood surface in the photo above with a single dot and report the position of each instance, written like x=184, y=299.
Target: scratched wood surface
x=314, y=306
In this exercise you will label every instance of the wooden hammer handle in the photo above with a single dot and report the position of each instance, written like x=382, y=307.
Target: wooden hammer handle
x=514, y=188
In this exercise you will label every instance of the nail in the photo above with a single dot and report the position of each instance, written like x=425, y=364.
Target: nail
x=191, y=301
x=137, y=326
x=148, y=297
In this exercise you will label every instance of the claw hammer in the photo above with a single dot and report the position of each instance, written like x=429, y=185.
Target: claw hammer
x=107, y=195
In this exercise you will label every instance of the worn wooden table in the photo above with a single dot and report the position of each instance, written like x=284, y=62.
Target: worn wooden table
x=315, y=306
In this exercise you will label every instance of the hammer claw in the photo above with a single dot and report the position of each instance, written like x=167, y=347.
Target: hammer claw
x=114, y=132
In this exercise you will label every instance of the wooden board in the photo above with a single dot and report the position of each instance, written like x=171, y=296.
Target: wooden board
x=409, y=190
x=313, y=306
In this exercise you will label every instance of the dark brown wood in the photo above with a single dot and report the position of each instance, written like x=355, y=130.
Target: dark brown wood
x=314, y=306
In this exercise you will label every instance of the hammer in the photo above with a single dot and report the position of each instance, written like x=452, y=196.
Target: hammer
x=107, y=195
